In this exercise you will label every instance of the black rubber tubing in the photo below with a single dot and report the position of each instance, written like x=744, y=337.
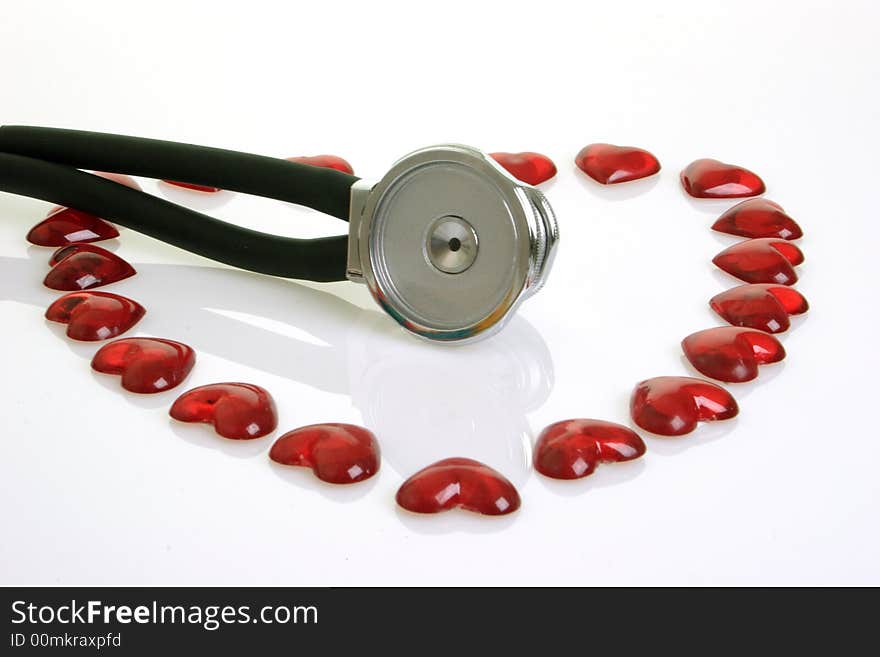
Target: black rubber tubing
x=326, y=190
x=320, y=259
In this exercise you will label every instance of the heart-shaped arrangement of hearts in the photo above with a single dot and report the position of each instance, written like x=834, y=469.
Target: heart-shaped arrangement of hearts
x=668, y=406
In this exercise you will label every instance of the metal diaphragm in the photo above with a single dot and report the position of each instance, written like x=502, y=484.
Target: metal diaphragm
x=449, y=243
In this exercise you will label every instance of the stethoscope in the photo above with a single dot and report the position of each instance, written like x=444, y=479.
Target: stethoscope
x=447, y=242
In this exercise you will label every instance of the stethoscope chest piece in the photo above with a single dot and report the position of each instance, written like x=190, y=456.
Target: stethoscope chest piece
x=449, y=243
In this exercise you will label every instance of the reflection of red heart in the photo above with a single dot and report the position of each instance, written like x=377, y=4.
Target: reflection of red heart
x=758, y=217
x=207, y=189
x=609, y=164
x=67, y=226
x=760, y=306
x=572, y=448
x=766, y=260
x=120, y=178
x=531, y=168
x=324, y=161
x=86, y=269
x=458, y=482
x=730, y=353
x=94, y=316
x=60, y=254
x=672, y=405
x=240, y=411
x=713, y=179
x=147, y=365
x=336, y=453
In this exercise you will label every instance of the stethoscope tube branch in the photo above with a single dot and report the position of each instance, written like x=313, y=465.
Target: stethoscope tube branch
x=320, y=259
x=325, y=190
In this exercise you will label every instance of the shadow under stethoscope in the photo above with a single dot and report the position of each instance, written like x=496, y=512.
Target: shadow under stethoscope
x=424, y=401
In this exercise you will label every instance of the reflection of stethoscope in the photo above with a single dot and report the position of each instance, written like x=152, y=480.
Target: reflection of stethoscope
x=447, y=242
x=474, y=401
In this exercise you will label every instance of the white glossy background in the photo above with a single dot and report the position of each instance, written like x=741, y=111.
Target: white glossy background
x=99, y=486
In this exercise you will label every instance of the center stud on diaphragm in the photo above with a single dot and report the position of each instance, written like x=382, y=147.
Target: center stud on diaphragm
x=451, y=245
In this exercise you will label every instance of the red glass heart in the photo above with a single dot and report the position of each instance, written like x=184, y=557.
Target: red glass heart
x=458, y=482
x=147, y=365
x=609, y=164
x=531, y=168
x=572, y=448
x=240, y=411
x=87, y=269
x=760, y=306
x=758, y=217
x=764, y=260
x=709, y=178
x=324, y=161
x=92, y=316
x=730, y=353
x=336, y=453
x=207, y=189
x=672, y=405
x=67, y=226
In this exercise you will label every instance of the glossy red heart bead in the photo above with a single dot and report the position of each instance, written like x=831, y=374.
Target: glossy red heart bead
x=709, y=178
x=67, y=226
x=531, y=168
x=758, y=217
x=337, y=453
x=763, y=260
x=60, y=254
x=239, y=411
x=325, y=162
x=92, y=316
x=86, y=269
x=147, y=365
x=673, y=405
x=731, y=353
x=458, y=483
x=609, y=164
x=207, y=189
x=571, y=449
x=761, y=306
